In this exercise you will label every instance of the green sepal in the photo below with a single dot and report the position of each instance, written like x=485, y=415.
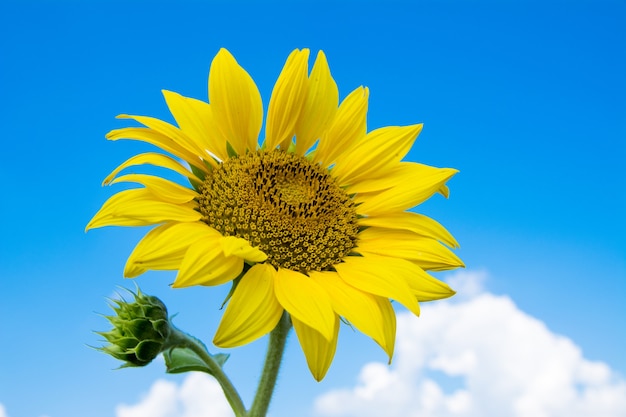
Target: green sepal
x=198, y=173
x=235, y=282
x=196, y=185
x=231, y=151
x=140, y=329
x=147, y=350
x=179, y=360
x=346, y=322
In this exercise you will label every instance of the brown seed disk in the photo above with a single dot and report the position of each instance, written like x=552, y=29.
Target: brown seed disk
x=288, y=207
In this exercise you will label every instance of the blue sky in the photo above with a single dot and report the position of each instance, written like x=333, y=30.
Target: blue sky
x=527, y=99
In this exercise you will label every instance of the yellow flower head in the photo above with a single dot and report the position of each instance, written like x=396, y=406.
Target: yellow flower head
x=313, y=222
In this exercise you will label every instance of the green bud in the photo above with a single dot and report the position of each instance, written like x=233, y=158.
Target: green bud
x=140, y=330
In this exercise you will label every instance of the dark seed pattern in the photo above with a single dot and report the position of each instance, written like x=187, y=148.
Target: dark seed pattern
x=283, y=204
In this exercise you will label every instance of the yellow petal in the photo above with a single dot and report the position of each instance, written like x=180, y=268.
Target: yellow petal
x=163, y=189
x=287, y=99
x=252, y=311
x=235, y=102
x=319, y=107
x=381, y=150
x=347, y=128
x=417, y=223
x=397, y=175
x=305, y=300
x=389, y=317
x=378, y=275
x=319, y=351
x=428, y=288
x=240, y=247
x=365, y=311
x=444, y=191
x=157, y=139
x=403, y=188
x=164, y=247
x=166, y=129
x=205, y=264
x=427, y=253
x=140, y=207
x=151, y=158
x=195, y=119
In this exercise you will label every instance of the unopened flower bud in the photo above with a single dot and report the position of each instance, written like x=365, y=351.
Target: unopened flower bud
x=140, y=330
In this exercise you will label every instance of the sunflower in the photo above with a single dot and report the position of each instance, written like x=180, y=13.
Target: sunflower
x=314, y=222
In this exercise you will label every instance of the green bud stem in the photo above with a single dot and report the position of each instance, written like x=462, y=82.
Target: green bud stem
x=142, y=330
x=273, y=358
x=267, y=383
x=178, y=338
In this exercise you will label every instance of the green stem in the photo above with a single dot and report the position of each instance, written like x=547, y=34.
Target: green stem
x=273, y=358
x=178, y=338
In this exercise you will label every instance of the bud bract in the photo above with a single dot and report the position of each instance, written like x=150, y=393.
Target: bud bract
x=140, y=330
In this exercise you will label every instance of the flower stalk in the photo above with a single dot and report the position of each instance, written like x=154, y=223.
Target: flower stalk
x=179, y=339
x=273, y=359
x=267, y=382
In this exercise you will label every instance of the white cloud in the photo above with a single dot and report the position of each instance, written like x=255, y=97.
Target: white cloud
x=479, y=356
x=198, y=396
x=467, y=284
x=476, y=355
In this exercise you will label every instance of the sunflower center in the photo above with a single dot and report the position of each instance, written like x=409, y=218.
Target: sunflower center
x=282, y=203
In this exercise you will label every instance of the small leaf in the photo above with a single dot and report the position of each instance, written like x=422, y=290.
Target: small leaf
x=179, y=360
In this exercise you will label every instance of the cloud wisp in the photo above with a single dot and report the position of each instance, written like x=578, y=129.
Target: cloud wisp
x=198, y=396
x=479, y=356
